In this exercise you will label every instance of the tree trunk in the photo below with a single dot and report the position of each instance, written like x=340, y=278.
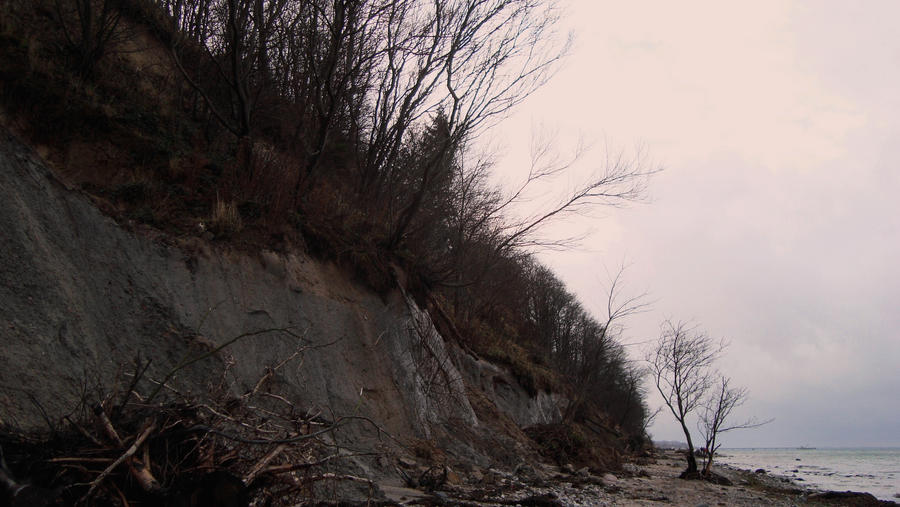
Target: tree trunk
x=691, y=459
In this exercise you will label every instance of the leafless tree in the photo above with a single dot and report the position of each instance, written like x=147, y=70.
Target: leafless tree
x=468, y=61
x=620, y=179
x=681, y=365
x=486, y=216
x=89, y=27
x=600, y=347
x=717, y=408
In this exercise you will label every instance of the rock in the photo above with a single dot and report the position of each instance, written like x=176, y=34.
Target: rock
x=528, y=473
x=492, y=477
x=453, y=477
x=760, y=471
x=406, y=462
x=845, y=498
x=545, y=500
x=568, y=468
x=610, y=479
x=632, y=469
x=583, y=472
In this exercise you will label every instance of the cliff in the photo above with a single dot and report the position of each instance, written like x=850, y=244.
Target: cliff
x=84, y=299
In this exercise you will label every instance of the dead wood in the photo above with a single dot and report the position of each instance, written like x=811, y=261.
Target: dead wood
x=257, y=468
x=140, y=472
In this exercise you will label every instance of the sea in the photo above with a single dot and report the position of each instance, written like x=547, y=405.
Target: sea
x=872, y=470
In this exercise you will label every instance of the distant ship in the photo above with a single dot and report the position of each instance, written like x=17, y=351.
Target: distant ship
x=804, y=448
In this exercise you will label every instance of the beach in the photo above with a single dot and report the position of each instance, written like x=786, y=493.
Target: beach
x=651, y=479
x=657, y=482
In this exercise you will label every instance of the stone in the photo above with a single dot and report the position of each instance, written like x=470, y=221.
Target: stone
x=632, y=469
x=406, y=462
x=453, y=477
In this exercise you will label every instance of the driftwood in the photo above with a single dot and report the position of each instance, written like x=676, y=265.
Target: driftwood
x=254, y=473
x=225, y=446
x=140, y=470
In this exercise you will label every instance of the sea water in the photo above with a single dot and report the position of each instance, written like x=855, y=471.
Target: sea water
x=872, y=470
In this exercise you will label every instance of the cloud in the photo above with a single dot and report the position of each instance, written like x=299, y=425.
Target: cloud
x=775, y=223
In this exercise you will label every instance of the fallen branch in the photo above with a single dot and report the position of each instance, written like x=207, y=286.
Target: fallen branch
x=301, y=483
x=336, y=477
x=261, y=441
x=141, y=473
x=107, y=426
x=79, y=460
x=254, y=473
x=290, y=467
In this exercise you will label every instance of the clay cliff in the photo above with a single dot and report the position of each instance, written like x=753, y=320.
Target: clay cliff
x=84, y=299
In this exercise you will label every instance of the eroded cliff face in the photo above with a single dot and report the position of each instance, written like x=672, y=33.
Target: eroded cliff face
x=82, y=296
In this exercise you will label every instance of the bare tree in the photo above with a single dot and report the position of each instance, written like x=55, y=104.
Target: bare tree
x=594, y=361
x=681, y=367
x=96, y=28
x=717, y=408
x=620, y=179
x=484, y=215
x=470, y=61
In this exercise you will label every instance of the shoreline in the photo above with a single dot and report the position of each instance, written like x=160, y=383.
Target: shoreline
x=748, y=487
x=825, y=469
x=651, y=479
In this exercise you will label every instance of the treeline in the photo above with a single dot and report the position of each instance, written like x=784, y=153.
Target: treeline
x=386, y=93
x=585, y=351
x=356, y=122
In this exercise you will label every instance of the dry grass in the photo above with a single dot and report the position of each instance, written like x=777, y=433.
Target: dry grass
x=226, y=219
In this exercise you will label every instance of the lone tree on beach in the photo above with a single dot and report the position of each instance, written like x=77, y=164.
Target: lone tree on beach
x=717, y=409
x=681, y=365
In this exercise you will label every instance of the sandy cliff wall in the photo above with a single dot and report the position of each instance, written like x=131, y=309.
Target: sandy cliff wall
x=81, y=296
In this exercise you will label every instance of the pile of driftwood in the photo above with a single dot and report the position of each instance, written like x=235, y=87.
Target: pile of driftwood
x=226, y=451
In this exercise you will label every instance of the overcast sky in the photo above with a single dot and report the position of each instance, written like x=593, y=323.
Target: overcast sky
x=775, y=221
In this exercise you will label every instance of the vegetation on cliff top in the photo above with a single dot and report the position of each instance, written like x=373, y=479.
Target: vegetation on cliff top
x=343, y=127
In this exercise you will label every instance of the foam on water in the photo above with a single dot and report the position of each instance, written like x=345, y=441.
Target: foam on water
x=873, y=470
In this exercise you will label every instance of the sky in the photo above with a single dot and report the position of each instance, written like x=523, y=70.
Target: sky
x=775, y=222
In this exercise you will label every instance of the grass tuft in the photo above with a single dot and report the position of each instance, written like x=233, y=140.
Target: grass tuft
x=226, y=219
